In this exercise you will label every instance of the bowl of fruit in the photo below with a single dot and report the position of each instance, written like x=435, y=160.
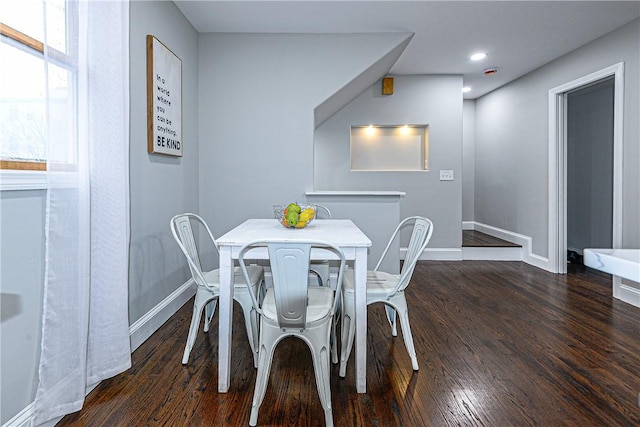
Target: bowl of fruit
x=294, y=215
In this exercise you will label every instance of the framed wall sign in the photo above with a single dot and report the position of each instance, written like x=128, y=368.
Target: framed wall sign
x=164, y=99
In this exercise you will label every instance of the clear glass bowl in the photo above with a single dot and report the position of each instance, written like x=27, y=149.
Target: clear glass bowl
x=304, y=218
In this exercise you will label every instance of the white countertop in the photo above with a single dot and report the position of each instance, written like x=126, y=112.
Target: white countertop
x=357, y=193
x=624, y=263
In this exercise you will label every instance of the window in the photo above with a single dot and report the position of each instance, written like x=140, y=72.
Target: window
x=37, y=84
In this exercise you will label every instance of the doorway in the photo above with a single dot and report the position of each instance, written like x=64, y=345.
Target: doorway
x=558, y=154
x=589, y=125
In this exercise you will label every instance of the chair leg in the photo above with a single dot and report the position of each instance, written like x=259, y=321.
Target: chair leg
x=334, y=341
x=201, y=300
x=348, y=334
x=391, y=317
x=262, y=291
x=254, y=321
x=210, y=310
x=334, y=337
x=321, y=366
x=250, y=323
x=401, y=305
x=265, y=356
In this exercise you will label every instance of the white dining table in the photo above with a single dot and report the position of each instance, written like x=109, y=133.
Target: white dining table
x=342, y=232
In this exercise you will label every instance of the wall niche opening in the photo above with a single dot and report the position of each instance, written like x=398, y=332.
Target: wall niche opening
x=390, y=148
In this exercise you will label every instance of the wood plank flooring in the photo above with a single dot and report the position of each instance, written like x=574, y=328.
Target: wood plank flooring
x=499, y=344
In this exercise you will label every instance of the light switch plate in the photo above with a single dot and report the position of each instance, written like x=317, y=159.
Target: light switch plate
x=446, y=175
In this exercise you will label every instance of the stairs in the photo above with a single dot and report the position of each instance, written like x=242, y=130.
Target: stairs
x=480, y=246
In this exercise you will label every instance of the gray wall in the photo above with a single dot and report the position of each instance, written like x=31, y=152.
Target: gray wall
x=160, y=186
x=377, y=227
x=432, y=100
x=258, y=93
x=468, y=159
x=511, y=177
x=21, y=275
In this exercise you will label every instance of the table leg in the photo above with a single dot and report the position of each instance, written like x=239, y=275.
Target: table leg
x=360, y=271
x=225, y=307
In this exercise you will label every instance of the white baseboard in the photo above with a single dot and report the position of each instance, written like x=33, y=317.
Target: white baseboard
x=442, y=254
x=144, y=327
x=437, y=254
x=522, y=253
x=538, y=261
x=527, y=255
x=22, y=418
x=490, y=253
x=509, y=236
x=626, y=290
x=629, y=295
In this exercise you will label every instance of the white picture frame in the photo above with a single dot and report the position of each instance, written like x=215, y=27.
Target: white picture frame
x=164, y=99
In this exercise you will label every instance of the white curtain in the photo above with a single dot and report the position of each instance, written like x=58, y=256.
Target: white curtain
x=85, y=326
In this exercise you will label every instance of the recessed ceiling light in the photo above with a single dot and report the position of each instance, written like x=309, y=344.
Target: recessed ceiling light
x=466, y=89
x=478, y=56
x=490, y=71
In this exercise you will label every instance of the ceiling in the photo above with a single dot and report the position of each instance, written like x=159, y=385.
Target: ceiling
x=518, y=36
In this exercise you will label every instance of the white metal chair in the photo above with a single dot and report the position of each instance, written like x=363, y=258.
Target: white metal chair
x=293, y=308
x=388, y=289
x=208, y=284
x=321, y=267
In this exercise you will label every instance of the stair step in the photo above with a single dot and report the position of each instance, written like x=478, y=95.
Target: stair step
x=477, y=239
x=481, y=246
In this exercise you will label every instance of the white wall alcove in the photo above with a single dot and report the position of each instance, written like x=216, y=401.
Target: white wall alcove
x=390, y=148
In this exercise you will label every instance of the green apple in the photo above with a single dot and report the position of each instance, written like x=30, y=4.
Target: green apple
x=293, y=207
x=292, y=218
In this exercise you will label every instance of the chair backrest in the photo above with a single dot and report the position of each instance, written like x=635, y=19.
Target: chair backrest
x=420, y=236
x=322, y=212
x=181, y=228
x=290, y=270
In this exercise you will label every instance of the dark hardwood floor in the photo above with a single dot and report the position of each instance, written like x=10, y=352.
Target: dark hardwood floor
x=499, y=344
